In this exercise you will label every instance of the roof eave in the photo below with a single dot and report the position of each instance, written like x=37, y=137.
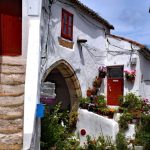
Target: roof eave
x=92, y=13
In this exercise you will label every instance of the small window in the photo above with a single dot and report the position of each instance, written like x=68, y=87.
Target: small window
x=67, y=25
x=115, y=72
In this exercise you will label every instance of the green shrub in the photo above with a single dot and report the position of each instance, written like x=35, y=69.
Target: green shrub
x=73, y=117
x=121, y=142
x=132, y=102
x=124, y=120
x=56, y=135
x=99, y=144
x=143, y=132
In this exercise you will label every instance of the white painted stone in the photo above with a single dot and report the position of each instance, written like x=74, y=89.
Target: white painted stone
x=95, y=125
x=130, y=133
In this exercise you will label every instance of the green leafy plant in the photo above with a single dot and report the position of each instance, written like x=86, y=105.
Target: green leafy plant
x=84, y=102
x=55, y=133
x=132, y=102
x=121, y=142
x=99, y=144
x=124, y=120
x=143, y=132
x=73, y=117
x=101, y=102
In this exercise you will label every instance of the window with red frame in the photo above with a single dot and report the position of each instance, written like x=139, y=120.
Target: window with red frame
x=67, y=25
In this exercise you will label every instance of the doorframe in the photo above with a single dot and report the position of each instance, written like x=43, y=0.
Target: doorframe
x=114, y=78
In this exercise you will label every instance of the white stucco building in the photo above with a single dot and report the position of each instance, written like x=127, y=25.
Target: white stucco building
x=65, y=42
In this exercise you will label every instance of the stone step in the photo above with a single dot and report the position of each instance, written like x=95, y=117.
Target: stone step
x=12, y=79
x=11, y=126
x=11, y=90
x=10, y=130
x=9, y=60
x=8, y=69
x=10, y=140
x=15, y=122
x=9, y=101
x=11, y=112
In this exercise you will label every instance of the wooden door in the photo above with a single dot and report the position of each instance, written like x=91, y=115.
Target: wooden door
x=115, y=84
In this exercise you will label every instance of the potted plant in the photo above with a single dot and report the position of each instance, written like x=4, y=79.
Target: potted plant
x=121, y=109
x=94, y=91
x=137, y=144
x=88, y=92
x=102, y=103
x=97, y=82
x=124, y=120
x=102, y=71
x=111, y=112
x=105, y=111
x=132, y=102
x=84, y=102
x=130, y=75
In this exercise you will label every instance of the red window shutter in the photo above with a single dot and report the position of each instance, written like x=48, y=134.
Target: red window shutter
x=67, y=25
x=10, y=35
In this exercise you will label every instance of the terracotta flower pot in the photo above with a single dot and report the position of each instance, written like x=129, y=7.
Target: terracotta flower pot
x=89, y=92
x=94, y=91
x=138, y=147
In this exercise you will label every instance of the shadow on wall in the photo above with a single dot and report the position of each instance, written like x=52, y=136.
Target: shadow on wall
x=129, y=85
x=88, y=26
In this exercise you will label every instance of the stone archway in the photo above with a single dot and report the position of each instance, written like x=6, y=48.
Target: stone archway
x=66, y=72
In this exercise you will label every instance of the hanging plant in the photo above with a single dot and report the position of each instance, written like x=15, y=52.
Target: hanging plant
x=130, y=75
x=102, y=71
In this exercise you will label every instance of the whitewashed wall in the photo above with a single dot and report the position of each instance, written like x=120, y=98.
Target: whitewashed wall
x=128, y=51
x=83, y=26
x=145, y=77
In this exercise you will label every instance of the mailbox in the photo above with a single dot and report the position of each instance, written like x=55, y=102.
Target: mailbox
x=40, y=110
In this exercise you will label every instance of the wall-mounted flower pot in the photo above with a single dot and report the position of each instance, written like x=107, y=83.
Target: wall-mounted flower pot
x=88, y=92
x=97, y=82
x=94, y=91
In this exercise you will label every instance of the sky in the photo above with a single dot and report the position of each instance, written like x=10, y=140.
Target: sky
x=131, y=18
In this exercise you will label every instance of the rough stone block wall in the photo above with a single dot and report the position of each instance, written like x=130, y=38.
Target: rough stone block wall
x=12, y=78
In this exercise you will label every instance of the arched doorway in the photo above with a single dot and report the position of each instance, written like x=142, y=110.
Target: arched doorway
x=68, y=91
x=67, y=86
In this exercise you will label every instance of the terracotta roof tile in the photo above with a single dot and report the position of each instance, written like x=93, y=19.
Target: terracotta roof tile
x=128, y=40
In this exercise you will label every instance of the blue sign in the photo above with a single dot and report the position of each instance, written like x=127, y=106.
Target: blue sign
x=40, y=110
